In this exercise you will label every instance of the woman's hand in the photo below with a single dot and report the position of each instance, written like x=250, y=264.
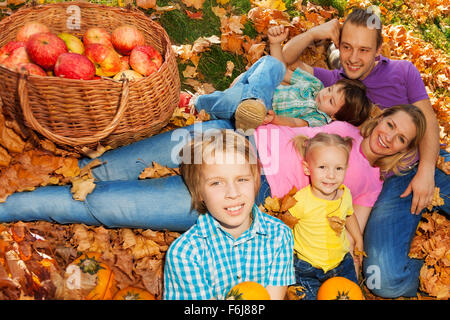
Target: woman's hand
x=422, y=187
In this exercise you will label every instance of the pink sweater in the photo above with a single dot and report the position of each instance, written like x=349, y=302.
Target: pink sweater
x=283, y=168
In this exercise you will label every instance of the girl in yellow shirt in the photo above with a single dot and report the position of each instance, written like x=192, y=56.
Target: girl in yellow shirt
x=323, y=208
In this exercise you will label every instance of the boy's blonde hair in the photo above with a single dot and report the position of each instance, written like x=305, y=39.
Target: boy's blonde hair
x=400, y=161
x=304, y=144
x=216, y=144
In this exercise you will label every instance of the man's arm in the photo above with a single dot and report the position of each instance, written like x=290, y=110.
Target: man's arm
x=295, y=47
x=422, y=185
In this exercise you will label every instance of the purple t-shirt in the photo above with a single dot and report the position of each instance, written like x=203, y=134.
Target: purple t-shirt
x=391, y=82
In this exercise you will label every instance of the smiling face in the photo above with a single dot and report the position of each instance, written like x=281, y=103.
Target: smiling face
x=228, y=191
x=392, y=134
x=330, y=99
x=326, y=166
x=358, y=50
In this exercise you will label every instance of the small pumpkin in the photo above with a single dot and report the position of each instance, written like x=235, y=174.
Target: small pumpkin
x=248, y=290
x=133, y=293
x=339, y=288
x=91, y=264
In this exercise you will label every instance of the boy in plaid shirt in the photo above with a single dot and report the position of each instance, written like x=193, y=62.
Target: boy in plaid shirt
x=232, y=240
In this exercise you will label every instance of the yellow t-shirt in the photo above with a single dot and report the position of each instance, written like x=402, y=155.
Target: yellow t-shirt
x=314, y=239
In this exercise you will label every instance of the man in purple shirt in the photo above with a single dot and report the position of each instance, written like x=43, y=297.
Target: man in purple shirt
x=389, y=82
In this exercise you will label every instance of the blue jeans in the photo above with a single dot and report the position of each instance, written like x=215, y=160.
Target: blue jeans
x=311, y=278
x=388, y=270
x=120, y=199
x=258, y=82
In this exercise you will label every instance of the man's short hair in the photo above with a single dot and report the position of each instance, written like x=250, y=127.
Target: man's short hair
x=368, y=19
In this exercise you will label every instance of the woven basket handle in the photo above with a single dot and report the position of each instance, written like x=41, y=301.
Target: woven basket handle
x=29, y=117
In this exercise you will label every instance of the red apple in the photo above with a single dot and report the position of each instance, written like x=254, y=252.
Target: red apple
x=17, y=57
x=145, y=60
x=45, y=48
x=8, y=48
x=30, y=28
x=32, y=69
x=97, y=35
x=105, y=59
x=74, y=66
x=124, y=63
x=125, y=38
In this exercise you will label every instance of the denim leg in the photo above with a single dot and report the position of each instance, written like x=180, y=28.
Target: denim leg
x=307, y=276
x=264, y=191
x=258, y=82
x=345, y=269
x=119, y=198
x=127, y=162
x=390, y=273
x=153, y=203
x=387, y=239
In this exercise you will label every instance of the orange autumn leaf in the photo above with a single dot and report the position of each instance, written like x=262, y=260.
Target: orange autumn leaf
x=232, y=42
x=10, y=139
x=146, y=4
x=158, y=171
x=194, y=15
x=5, y=158
x=197, y=4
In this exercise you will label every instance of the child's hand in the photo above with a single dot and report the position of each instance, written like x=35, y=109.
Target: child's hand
x=269, y=117
x=359, y=253
x=277, y=34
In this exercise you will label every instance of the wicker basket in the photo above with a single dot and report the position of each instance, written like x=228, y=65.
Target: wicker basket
x=76, y=113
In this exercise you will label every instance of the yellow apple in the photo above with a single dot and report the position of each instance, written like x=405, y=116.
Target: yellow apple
x=73, y=44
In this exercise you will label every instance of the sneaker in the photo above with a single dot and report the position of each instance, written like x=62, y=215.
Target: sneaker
x=333, y=57
x=250, y=114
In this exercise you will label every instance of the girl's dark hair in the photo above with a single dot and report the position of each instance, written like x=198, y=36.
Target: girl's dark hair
x=357, y=106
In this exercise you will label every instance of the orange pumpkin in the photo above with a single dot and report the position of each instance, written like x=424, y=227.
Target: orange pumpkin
x=133, y=293
x=339, y=288
x=248, y=290
x=91, y=263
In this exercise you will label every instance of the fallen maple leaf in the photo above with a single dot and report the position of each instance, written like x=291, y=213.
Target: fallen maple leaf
x=146, y=4
x=197, y=4
x=336, y=224
x=194, y=15
x=158, y=171
x=270, y=4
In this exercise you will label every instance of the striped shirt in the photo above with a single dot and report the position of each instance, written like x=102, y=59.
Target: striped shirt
x=297, y=100
x=206, y=261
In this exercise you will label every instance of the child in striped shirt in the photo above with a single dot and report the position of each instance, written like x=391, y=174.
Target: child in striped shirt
x=232, y=240
x=305, y=101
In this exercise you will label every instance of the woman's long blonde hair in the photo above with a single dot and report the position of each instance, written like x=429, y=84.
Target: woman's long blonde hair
x=400, y=161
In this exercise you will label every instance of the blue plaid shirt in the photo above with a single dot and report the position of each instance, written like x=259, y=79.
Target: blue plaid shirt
x=206, y=261
x=298, y=100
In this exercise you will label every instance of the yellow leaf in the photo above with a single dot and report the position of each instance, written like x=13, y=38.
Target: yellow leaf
x=81, y=187
x=270, y=4
x=190, y=72
x=230, y=67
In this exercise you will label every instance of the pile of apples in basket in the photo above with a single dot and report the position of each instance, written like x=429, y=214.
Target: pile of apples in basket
x=94, y=54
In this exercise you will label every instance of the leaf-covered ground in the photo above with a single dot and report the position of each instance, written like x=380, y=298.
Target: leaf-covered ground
x=214, y=40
